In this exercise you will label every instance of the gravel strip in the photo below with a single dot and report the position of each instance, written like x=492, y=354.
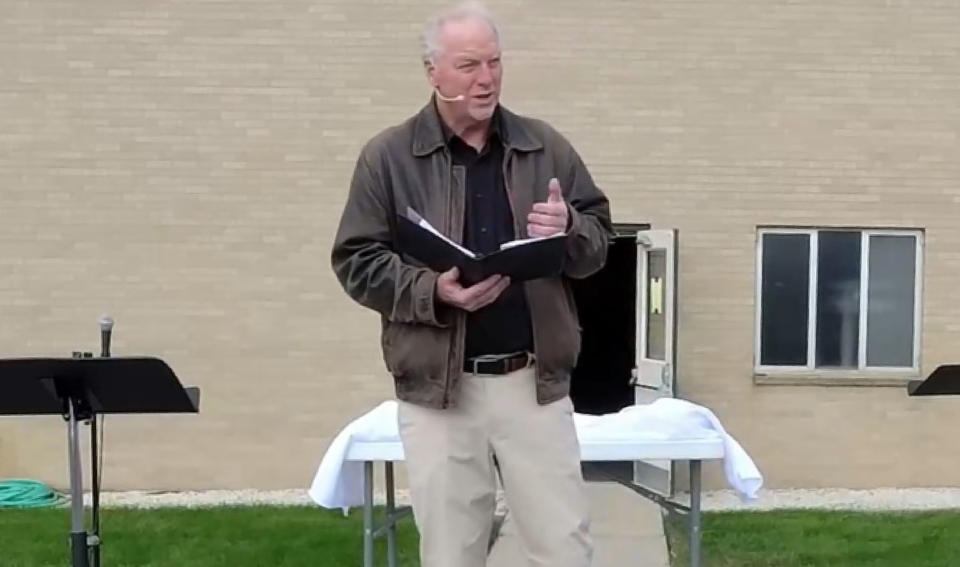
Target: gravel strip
x=209, y=498
x=890, y=499
x=880, y=499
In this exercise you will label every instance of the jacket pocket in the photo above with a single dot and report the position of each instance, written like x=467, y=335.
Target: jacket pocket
x=560, y=316
x=572, y=308
x=415, y=351
x=387, y=335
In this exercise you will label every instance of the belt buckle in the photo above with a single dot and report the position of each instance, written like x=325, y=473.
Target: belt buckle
x=503, y=359
x=477, y=360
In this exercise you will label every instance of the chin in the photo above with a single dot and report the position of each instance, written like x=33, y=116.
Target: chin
x=482, y=113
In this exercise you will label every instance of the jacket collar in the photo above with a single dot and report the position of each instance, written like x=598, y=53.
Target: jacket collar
x=428, y=131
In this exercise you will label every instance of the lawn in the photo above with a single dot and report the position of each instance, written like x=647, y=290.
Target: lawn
x=822, y=538
x=207, y=537
x=310, y=536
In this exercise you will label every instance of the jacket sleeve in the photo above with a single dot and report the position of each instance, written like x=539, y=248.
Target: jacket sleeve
x=363, y=258
x=589, y=227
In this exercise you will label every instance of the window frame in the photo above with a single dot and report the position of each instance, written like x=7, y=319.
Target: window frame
x=862, y=370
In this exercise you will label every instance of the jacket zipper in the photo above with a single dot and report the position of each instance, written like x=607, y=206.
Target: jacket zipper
x=448, y=162
x=516, y=234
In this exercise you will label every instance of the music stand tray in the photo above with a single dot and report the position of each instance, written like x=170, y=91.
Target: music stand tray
x=944, y=381
x=80, y=388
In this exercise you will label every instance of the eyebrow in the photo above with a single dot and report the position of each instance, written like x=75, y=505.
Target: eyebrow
x=474, y=58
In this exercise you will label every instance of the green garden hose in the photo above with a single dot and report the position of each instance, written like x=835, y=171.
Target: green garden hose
x=18, y=493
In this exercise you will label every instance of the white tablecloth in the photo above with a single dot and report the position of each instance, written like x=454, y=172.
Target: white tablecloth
x=338, y=482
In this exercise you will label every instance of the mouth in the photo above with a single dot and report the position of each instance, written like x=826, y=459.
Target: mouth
x=486, y=97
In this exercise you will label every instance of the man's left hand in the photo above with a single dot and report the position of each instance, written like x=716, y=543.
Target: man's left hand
x=550, y=217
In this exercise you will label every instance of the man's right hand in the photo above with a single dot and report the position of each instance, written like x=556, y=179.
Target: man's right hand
x=470, y=298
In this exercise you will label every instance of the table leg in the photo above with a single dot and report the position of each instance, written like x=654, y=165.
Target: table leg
x=368, y=514
x=695, y=513
x=392, y=527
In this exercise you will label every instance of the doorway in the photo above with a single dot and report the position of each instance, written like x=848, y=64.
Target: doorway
x=628, y=318
x=606, y=302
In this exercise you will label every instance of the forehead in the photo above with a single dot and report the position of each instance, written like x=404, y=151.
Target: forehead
x=468, y=36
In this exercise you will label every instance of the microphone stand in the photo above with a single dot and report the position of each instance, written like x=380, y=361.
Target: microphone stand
x=95, y=487
x=86, y=546
x=106, y=329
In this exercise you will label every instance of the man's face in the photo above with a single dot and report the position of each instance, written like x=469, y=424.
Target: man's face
x=468, y=65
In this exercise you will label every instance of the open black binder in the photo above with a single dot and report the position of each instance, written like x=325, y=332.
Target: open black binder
x=521, y=260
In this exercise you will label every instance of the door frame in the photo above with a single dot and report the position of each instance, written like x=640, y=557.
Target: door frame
x=656, y=378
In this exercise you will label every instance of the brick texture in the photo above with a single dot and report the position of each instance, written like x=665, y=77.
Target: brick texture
x=182, y=165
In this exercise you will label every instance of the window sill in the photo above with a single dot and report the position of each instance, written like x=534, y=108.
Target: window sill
x=834, y=378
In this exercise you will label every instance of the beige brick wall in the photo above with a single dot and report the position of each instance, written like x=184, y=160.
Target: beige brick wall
x=182, y=166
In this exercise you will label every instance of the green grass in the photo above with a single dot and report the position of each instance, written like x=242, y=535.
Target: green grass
x=310, y=536
x=820, y=538
x=234, y=537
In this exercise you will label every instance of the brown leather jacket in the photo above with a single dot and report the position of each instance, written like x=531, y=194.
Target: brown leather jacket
x=423, y=339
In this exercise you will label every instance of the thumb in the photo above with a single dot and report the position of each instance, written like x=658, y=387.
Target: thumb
x=555, y=195
x=452, y=274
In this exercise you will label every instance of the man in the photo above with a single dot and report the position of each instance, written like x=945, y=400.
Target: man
x=481, y=371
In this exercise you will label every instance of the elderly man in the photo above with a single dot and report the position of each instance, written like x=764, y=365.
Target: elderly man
x=481, y=371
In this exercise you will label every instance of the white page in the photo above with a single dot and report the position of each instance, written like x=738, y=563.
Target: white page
x=424, y=224
x=523, y=241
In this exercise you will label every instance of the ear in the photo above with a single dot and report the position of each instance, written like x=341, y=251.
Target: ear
x=430, y=71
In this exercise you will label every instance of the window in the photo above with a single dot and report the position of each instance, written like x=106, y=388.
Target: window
x=838, y=299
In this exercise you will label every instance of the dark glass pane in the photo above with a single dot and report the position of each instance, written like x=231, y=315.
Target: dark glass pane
x=656, y=304
x=838, y=299
x=890, y=295
x=784, y=289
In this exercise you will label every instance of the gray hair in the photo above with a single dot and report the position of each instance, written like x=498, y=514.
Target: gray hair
x=462, y=11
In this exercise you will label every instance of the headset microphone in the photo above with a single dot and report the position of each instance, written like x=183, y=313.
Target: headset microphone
x=457, y=98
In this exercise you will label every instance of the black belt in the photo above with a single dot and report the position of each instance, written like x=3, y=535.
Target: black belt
x=498, y=365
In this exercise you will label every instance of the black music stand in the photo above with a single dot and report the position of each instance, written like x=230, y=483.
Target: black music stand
x=80, y=388
x=944, y=381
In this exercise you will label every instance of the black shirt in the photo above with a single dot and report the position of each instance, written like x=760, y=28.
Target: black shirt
x=504, y=325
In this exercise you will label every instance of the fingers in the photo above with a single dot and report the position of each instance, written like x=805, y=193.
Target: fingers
x=540, y=225
x=548, y=221
x=470, y=298
x=481, y=294
x=487, y=296
x=540, y=231
x=481, y=288
x=549, y=208
x=537, y=231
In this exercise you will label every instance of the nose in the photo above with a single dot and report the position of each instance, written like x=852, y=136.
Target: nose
x=485, y=74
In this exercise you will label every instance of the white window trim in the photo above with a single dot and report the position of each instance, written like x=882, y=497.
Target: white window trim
x=877, y=374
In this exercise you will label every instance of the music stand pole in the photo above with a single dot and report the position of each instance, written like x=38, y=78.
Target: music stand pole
x=78, y=532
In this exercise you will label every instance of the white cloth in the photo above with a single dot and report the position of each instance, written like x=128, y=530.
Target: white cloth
x=673, y=419
x=339, y=483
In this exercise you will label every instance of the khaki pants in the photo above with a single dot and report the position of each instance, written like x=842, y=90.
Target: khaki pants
x=449, y=459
